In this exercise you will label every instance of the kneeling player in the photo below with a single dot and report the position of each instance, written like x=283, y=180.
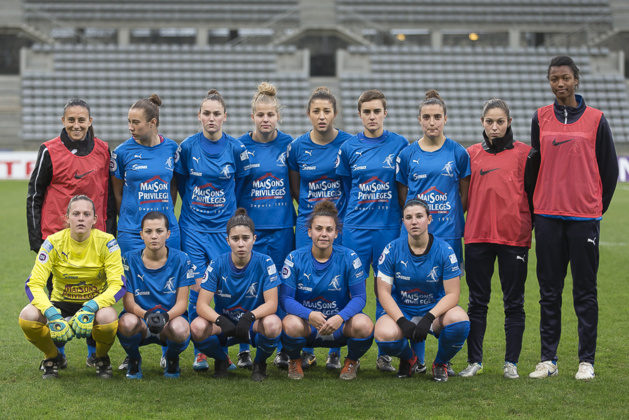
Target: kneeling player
x=159, y=278
x=87, y=278
x=424, y=275
x=323, y=294
x=243, y=284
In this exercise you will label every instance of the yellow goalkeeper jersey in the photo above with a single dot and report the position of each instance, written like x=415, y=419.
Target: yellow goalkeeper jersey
x=81, y=271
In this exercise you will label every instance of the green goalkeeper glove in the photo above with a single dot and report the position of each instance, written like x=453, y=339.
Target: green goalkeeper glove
x=60, y=330
x=83, y=321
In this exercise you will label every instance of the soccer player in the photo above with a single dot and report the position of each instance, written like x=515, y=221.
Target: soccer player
x=141, y=171
x=312, y=160
x=243, y=284
x=419, y=287
x=210, y=169
x=499, y=226
x=157, y=297
x=323, y=293
x=267, y=196
x=367, y=165
x=436, y=169
x=87, y=279
x=575, y=185
x=72, y=164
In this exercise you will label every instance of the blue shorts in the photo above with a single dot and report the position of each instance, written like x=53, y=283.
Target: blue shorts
x=277, y=244
x=302, y=239
x=368, y=244
x=130, y=241
x=203, y=248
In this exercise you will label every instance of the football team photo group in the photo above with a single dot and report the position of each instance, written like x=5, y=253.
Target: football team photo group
x=281, y=242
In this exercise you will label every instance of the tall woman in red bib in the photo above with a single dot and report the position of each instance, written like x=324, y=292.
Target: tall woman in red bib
x=576, y=182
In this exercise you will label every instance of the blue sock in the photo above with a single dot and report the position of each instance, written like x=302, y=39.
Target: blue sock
x=397, y=348
x=175, y=349
x=165, y=349
x=357, y=347
x=61, y=348
x=244, y=347
x=420, y=350
x=131, y=345
x=265, y=346
x=451, y=340
x=279, y=345
x=293, y=345
x=211, y=347
x=91, y=349
x=336, y=350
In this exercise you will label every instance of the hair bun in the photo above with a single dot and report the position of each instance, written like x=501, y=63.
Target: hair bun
x=155, y=99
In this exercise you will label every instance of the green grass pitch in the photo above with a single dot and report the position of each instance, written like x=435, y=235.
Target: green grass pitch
x=321, y=395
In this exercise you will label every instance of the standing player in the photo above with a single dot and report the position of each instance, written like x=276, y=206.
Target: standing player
x=367, y=165
x=323, y=293
x=312, y=161
x=87, y=279
x=210, y=169
x=436, y=169
x=157, y=297
x=576, y=182
x=72, y=164
x=499, y=226
x=141, y=171
x=141, y=174
x=419, y=287
x=243, y=284
x=267, y=196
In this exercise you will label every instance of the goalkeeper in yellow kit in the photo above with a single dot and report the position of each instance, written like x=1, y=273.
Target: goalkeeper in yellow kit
x=88, y=279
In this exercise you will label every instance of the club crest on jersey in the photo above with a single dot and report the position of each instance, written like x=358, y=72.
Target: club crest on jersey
x=226, y=171
x=335, y=283
x=169, y=163
x=170, y=286
x=252, y=291
x=388, y=162
x=447, y=169
x=433, y=276
x=281, y=160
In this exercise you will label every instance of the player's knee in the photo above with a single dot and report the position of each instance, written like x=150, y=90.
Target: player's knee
x=129, y=325
x=292, y=325
x=179, y=329
x=31, y=313
x=386, y=330
x=456, y=314
x=199, y=330
x=362, y=326
x=272, y=326
x=106, y=315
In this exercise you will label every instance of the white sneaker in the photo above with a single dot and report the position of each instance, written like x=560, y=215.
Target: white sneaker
x=544, y=370
x=511, y=370
x=471, y=370
x=586, y=371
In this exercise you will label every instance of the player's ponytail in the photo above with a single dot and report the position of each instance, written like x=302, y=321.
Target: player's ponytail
x=325, y=208
x=322, y=93
x=150, y=106
x=433, y=98
x=240, y=218
x=214, y=95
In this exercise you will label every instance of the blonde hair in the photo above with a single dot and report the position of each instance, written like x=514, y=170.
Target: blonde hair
x=266, y=94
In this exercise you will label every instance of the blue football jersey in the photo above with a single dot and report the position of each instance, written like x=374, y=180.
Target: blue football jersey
x=434, y=177
x=373, y=201
x=417, y=280
x=147, y=173
x=323, y=290
x=236, y=293
x=209, y=198
x=156, y=290
x=316, y=165
x=267, y=193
